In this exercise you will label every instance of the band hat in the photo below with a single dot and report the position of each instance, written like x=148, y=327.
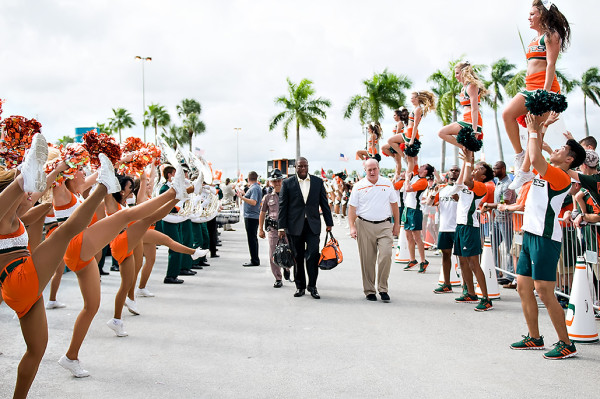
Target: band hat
x=276, y=175
x=591, y=158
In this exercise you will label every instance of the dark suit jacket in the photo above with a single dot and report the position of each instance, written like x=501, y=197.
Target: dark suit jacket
x=293, y=210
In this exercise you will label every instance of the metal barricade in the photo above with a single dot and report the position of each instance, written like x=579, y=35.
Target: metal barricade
x=506, y=237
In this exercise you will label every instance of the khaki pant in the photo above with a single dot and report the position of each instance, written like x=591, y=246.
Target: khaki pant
x=374, y=246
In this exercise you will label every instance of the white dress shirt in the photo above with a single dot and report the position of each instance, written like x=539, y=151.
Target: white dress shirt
x=304, y=186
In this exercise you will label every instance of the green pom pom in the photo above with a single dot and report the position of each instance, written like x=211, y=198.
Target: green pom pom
x=466, y=137
x=539, y=102
x=558, y=103
x=413, y=150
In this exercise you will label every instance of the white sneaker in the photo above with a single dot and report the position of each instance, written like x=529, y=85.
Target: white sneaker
x=55, y=305
x=32, y=168
x=132, y=306
x=519, y=158
x=200, y=253
x=179, y=184
x=73, y=366
x=106, y=175
x=143, y=292
x=520, y=179
x=117, y=326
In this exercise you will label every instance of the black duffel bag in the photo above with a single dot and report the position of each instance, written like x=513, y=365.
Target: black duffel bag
x=283, y=256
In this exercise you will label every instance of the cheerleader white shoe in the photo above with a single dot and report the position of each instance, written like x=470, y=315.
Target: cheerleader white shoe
x=32, y=168
x=199, y=253
x=106, y=175
x=520, y=179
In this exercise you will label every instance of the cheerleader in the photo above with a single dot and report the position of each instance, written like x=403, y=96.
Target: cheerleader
x=397, y=142
x=424, y=102
x=553, y=37
x=25, y=274
x=372, y=150
x=470, y=99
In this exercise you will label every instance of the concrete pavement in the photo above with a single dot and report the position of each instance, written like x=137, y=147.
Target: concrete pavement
x=227, y=333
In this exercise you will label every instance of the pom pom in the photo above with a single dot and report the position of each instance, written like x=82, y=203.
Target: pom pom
x=558, y=103
x=412, y=150
x=539, y=102
x=76, y=155
x=17, y=133
x=521, y=121
x=132, y=144
x=101, y=143
x=155, y=152
x=467, y=138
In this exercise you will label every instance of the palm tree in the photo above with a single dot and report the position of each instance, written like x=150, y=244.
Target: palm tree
x=122, y=120
x=590, y=86
x=156, y=115
x=174, y=134
x=500, y=76
x=104, y=128
x=64, y=140
x=383, y=89
x=189, y=111
x=302, y=108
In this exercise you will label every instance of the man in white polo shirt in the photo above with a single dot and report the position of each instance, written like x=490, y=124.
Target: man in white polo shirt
x=373, y=202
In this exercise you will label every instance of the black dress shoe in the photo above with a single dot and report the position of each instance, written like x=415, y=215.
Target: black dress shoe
x=203, y=263
x=299, y=292
x=250, y=264
x=278, y=284
x=172, y=280
x=503, y=280
x=103, y=273
x=214, y=256
x=187, y=272
x=371, y=297
x=197, y=267
x=114, y=268
x=384, y=296
x=315, y=294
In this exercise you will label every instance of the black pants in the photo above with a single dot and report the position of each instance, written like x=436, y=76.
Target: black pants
x=213, y=235
x=251, y=234
x=306, y=246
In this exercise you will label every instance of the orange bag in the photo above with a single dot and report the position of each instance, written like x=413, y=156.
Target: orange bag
x=331, y=255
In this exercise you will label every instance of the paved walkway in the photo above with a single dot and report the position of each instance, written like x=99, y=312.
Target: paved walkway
x=226, y=333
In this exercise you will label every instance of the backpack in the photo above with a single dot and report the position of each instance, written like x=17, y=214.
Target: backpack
x=331, y=255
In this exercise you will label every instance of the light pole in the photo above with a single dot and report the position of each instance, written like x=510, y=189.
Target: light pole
x=237, y=150
x=143, y=59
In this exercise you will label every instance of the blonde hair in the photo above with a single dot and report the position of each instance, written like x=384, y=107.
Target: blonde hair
x=426, y=99
x=470, y=76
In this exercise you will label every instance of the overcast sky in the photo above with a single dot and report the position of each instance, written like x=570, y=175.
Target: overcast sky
x=69, y=62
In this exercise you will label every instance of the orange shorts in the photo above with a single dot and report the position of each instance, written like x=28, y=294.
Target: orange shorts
x=21, y=286
x=537, y=80
x=118, y=247
x=72, y=255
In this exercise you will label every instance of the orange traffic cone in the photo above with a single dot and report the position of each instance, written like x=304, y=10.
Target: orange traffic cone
x=581, y=325
x=455, y=277
x=489, y=270
x=402, y=255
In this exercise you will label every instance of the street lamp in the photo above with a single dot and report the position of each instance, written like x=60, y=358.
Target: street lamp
x=143, y=59
x=237, y=130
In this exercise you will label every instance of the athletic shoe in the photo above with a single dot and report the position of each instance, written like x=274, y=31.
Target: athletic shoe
x=179, y=185
x=561, y=351
x=117, y=326
x=528, y=343
x=132, y=306
x=443, y=289
x=143, y=292
x=73, y=366
x=55, y=305
x=32, y=168
x=200, y=253
x=410, y=265
x=106, y=175
x=423, y=266
x=519, y=158
x=520, y=179
x=466, y=298
x=484, y=305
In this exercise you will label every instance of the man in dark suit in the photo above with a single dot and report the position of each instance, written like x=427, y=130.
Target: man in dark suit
x=299, y=201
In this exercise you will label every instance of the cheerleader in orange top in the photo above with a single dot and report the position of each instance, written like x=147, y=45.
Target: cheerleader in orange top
x=394, y=145
x=470, y=99
x=25, y=274
x=553, y=36
x=372, y=150
x=424, y=102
